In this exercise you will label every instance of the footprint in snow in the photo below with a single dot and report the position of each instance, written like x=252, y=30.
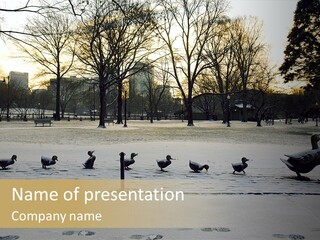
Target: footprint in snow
x=289, y=236
x=9, y=237
x=79, y=233
x=220, y=229
x=148, y=237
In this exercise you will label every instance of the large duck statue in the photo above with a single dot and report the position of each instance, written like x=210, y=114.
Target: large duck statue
x=240, y=167
x=164, y=163
x=89, y=163
x=197, y=167
x=47, y=161
x=130, y=161
x=7, y=161
x=304, y=162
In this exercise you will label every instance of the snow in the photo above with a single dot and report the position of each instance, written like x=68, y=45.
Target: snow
x=266, y=203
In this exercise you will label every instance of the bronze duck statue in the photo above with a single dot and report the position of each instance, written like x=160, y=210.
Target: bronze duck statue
x=129, y=161
x=196, y=167
x=304, y=162
x=6, y=162
x=47, y=161
x=240, y=167
x=89, y=163
x=164, y=163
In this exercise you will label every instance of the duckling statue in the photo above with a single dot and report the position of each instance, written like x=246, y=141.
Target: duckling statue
x=196, y=167
x=164, y=163
x=130, y=161
x=304, y=162
x=240, y=167
x=89, y=163
x=47, y=161
x=6, y=162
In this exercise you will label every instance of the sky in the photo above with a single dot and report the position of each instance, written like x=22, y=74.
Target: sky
x=277, y=16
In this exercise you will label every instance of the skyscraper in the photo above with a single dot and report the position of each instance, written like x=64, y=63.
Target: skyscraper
x=19, y=79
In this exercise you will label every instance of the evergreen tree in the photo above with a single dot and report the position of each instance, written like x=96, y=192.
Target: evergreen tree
x=302, y=54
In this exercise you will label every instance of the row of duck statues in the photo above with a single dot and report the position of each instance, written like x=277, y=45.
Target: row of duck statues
x=301, y=162
x=89, y=163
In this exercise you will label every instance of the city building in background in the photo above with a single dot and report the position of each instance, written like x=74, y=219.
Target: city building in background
x=141, y=77
x=19, y=79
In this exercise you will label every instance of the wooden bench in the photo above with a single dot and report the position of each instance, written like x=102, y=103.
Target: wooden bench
x=42, y=121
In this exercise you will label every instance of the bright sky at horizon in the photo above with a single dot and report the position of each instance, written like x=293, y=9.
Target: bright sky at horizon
x=277, y=16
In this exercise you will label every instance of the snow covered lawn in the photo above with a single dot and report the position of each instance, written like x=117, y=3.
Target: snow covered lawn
x=266, y=203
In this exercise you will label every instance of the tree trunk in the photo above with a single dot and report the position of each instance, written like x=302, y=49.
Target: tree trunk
x=189, y=111
x=152, y=111
x=102, y=106
x=151, y=116
x=224, y=113
x=57, y=115
x=259, y=123
x=119, y=106
x=190, y=115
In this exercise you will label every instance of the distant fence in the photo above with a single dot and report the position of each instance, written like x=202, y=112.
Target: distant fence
x=72, y=116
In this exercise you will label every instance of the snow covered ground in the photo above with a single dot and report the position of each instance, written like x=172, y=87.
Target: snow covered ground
x=266, y=203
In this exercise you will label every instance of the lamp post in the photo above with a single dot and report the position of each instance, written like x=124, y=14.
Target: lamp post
x=92, y=90
x=182, y=114
x=125, y=109
x=125, y=86
x=39, y=107
x=142, y=106
x=94, y=101
x=228, y=110
x=8, y=95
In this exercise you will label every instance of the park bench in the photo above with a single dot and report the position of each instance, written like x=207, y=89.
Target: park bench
x=42, y=121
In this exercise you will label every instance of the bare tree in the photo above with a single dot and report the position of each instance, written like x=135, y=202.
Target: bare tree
x=186, y=28
x=247, y=46
x=23, y=102
x=50, y=46
x=205, y=90
x=42, y=100
x=37, y=7
x=262, y=76
x=3, y=96
x=157, y=85
x=132, y=42
x=9, y=91
x=220, y=54
x=113, y=36
x=70, y=91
